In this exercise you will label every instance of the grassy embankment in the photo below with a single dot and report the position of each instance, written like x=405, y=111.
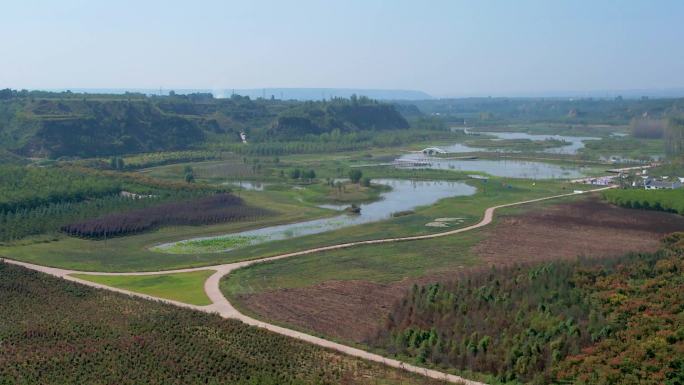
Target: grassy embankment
x=624, y=147
x=521, y=145
x=594, y=130
x=181, y=287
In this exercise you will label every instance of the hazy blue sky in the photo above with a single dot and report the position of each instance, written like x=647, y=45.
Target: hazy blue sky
x=448, y=47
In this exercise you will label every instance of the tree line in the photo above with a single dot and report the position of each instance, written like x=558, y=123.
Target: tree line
x=659, y=200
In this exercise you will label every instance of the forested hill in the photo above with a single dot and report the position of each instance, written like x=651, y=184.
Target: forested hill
x=345, y=115
x=45, y=124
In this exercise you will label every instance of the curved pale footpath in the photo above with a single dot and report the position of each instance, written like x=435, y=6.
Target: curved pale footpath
x=225, y=309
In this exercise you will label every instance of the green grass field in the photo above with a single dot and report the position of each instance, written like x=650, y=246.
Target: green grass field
x=377, y=263
x=127, y=254
x=131, y=253
x=181, y=287
x=471, y=208
x=384, y=263
x=626, y=147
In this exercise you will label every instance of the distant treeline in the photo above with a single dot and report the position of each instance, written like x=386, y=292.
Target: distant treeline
x=334, y=141
x=671, y=129
x=615, y=321
x=578, y=111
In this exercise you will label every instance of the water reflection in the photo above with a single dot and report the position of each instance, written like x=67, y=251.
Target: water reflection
x=405, y=195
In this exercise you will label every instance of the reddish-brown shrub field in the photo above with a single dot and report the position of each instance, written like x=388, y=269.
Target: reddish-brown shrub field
x=213, y=209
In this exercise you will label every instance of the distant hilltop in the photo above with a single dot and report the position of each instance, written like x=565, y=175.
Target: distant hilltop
x=327, y=93
x=276, y=93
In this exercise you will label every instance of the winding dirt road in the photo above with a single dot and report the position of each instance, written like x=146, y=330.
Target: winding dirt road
x=225, y=309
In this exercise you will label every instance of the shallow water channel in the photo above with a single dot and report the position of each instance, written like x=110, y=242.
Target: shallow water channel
x=509, y=168
x=405, y=195
x=575, y=143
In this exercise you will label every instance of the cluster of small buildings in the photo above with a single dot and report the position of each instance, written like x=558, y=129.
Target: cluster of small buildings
x=598, y=180
x=640, y=179
x=665, y=183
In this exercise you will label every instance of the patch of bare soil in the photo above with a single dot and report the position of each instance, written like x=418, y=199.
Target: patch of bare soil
x=340, y=309
x=352, y=310
x=588, y=228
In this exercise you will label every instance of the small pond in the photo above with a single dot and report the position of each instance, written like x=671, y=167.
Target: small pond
x=405, y=195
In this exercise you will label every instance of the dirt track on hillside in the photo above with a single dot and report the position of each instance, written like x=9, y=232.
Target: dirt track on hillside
x=351, y=310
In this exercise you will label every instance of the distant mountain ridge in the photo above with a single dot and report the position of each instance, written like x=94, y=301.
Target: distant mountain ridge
x=277, y=93
x=327, y=93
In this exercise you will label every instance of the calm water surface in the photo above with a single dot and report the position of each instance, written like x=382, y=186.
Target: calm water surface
x=405, y=195
x=574, y=142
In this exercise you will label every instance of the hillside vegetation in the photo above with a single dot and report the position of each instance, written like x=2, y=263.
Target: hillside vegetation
x=341, y=115
x=43, y=124
x=56, y=332
x=616, y=321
